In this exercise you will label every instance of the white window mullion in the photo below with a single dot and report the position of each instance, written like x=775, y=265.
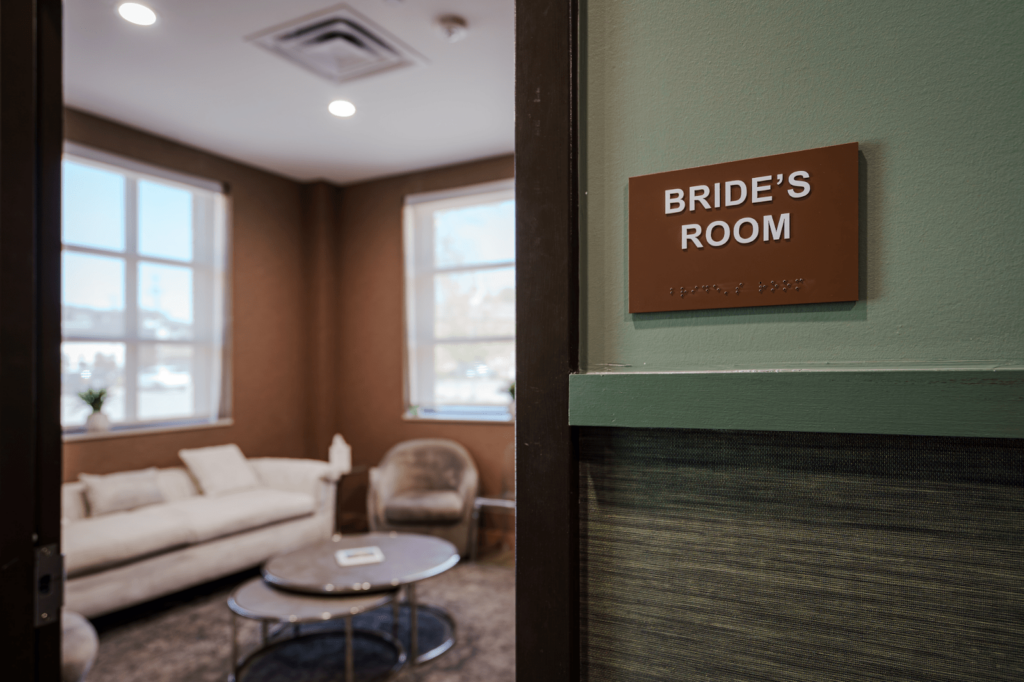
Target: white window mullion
x=474, y=339
x=131, y=299
x=220, y=374
x=202, y=361
x=425, y=308
x=202, y=304
x=474, y=267
x=117, y=254
x=410, y=356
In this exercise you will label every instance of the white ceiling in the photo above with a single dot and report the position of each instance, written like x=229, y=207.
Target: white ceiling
x=195, y=77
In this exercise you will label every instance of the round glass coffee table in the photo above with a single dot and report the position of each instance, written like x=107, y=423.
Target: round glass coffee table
x=315, y=649
x=378, y=562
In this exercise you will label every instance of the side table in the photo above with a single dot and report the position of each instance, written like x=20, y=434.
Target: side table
x=492, y=503
x=256, y=600
x=355, y=470
x=408, y=559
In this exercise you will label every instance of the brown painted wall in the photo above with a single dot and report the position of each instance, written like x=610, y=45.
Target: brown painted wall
x=315, y=350
x=321, y=221
x=269, y=317
x=370, y=339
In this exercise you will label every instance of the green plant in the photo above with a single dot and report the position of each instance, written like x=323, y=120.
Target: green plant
x=94, y=399
x=512, y=390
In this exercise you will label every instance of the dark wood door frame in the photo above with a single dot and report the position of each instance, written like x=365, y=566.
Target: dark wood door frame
x=31, y=138
x=547, y=341
x=547, y=530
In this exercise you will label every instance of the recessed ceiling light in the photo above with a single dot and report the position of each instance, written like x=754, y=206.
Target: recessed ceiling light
x=342, y=108
x=136, y=13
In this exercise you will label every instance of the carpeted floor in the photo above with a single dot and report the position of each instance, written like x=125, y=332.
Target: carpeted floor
x=186, y=637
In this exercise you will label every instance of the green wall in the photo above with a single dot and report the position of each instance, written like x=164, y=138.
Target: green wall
x=933, y=92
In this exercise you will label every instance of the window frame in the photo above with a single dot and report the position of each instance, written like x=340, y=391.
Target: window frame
x=419, y=338
x=209, y=268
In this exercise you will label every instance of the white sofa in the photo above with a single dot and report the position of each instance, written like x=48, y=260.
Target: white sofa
x=124, y=558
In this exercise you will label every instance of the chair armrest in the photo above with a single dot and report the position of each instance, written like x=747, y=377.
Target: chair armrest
x=377, y=495
x=384, y=481
x=467, y=491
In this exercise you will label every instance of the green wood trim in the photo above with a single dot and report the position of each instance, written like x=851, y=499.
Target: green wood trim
x=920, y=403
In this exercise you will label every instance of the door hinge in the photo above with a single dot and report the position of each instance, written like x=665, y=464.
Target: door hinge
x=49, y=584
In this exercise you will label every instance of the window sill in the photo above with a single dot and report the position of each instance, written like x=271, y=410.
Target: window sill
x=503, y=420
x=144, y=431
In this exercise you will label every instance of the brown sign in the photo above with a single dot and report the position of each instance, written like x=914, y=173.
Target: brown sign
x=776, y=230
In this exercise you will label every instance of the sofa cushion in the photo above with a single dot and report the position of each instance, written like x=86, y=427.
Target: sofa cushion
x=112, y=539
x=220, y=469
x=176, y=484
x=121, y=491
x=208, y=518
x=72, y=501
x=424, y=506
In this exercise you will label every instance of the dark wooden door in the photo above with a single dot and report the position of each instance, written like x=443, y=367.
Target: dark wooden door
x=31, y=113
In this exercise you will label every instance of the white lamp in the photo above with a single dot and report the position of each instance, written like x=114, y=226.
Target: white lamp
x=340, y=455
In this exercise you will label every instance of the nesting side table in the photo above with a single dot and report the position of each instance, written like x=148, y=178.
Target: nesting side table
x=408, y=559
x=492, y=504
x=279, y=611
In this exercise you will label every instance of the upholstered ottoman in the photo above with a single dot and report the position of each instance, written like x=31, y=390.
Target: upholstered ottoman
x=78, y=646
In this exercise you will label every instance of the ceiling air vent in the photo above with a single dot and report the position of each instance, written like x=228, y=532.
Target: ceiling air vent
x=339, y=45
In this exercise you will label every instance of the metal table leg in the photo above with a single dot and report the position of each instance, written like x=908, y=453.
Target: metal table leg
x=350, y=674
x=414, y=631
x=395, y=614
x=403, y=622
x=474, y=533
x=235, y=649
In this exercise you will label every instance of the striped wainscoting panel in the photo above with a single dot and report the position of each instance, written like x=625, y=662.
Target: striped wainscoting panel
x=744, y=555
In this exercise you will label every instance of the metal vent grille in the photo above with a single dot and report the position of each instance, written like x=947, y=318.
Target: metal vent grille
x=339, y=45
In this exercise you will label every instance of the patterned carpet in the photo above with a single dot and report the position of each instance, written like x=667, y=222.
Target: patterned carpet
x=186, y=637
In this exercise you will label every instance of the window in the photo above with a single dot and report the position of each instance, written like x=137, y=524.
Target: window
x=460, y=302
x=143, y=292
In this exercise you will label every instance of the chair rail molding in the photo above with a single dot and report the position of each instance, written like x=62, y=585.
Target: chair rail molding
x=925, y=402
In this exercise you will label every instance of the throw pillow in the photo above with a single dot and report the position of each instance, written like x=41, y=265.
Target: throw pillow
x=220, y=469
x=121, y=492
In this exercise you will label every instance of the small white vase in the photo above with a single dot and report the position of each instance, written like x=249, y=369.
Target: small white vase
x=97, y=421
x=512, y=409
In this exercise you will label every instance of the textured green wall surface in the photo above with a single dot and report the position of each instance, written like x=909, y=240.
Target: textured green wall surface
x=934, y=93
x=754, y=556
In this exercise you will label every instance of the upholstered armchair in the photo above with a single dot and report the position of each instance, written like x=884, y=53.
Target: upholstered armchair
x=424, y=486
